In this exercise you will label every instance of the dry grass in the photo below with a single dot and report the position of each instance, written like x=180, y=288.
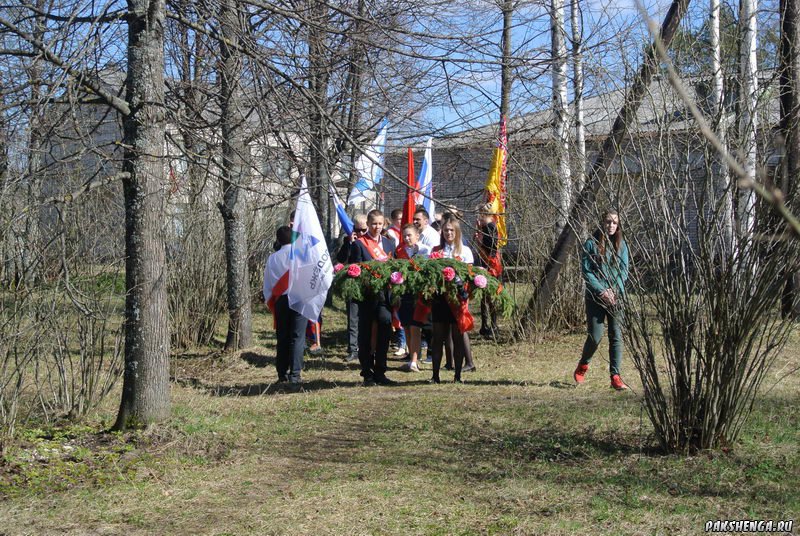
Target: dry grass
x=515, y=450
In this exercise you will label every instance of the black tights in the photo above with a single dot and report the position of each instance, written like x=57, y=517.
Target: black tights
x=445, y=334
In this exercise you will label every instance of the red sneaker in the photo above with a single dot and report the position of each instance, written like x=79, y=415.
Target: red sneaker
x=617, y=383
x=580, y=373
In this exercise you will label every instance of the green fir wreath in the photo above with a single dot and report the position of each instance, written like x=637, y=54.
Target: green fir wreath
x=426, y=277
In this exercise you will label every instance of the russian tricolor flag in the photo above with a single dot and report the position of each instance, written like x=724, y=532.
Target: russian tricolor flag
x=344, y=219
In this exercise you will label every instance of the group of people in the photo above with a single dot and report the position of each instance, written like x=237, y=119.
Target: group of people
x=374, y=320
x=371, y=322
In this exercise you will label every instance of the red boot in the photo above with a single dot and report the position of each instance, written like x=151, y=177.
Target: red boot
x=617, y=383
x=580, y=373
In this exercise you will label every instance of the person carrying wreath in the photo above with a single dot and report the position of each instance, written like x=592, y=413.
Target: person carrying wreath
x=374, y=312
x=450, y=318
x=604, y=265
x=411, y=248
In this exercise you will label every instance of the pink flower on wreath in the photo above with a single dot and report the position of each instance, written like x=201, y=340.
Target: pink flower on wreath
x=354, y=270
x=338, y=267
x=480, y=281
x=396, y=278
x=449, y=273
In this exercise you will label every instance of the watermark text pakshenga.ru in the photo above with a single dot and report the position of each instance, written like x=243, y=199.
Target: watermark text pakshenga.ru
x=749, y=525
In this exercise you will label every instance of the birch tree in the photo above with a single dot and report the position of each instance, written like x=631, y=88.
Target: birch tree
x=748, y=121
x=576, y=26
x=721, y=183
x=558, y=57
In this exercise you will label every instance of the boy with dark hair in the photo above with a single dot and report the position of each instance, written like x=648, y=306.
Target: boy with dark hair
x=374, y=312
x=289, y=324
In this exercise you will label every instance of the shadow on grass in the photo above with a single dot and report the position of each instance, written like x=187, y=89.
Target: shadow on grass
x=276, y=388
x=328, y=363
x=258, y=360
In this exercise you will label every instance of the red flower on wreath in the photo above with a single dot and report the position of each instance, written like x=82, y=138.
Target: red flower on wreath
x=437, y=255
x=354, y=270
x=449, y=273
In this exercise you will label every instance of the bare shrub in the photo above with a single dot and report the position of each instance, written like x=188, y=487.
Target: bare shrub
x=703, y=324
x=196, y=266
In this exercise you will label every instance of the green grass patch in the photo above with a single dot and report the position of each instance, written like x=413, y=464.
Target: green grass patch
x=515, y=450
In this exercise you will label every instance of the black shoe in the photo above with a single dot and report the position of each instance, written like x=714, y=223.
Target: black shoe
x=469, y=368
x=458, y=380
x=295, y=386
x=369, y=381
x=435, y=379
x=352, y=357
x=448, y=366
x=282, y=378
x=487, y=333
x=383, y=380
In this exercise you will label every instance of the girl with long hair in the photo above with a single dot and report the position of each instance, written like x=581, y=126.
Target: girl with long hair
x=443, y=312
x=604, y=264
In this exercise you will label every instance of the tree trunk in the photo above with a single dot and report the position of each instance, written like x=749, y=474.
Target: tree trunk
x=30, y=256
x=319, y=77
x=790, y=126
x=597, y=174
x=558, y=57
x=234, y=172
x=505, y=70
x=748, y=121
x=576, y=23
x=723, y=191
x=145, y=388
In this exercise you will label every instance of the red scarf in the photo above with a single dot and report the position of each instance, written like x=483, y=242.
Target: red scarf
x=464, y=319
x=374, y=247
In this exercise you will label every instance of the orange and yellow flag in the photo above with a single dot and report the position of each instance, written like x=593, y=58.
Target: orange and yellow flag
x=496, y=183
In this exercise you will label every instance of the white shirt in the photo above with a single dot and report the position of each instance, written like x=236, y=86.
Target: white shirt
x=394, y=234
x=430, y=237
x=448, y=252
x=277, y=265
x=419, y=250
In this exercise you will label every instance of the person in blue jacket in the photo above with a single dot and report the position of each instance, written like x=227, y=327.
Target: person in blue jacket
x=604, y=264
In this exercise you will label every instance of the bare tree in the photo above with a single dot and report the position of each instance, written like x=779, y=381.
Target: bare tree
x=576, y=25
x=602, y=163
x=145, y=389
x=560, y=116
x=234, y=176
x=748, y=120
x=722, y=187
x=790, y=128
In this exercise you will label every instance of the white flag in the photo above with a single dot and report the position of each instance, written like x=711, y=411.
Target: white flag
x=368, y=171
x=310, y=267
x=425, y=181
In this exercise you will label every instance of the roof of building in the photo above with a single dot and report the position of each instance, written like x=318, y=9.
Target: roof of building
x=661, y=108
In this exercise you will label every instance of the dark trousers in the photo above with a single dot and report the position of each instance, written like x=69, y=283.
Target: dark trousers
x=373, y=365
x=290, y=330
x=352, y=326
x=596, y=313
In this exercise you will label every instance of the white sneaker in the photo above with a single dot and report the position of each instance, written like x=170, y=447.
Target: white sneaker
x=400, y=351
x=410, y=367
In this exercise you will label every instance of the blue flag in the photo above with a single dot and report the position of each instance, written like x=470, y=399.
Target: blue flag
x=344, y=219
